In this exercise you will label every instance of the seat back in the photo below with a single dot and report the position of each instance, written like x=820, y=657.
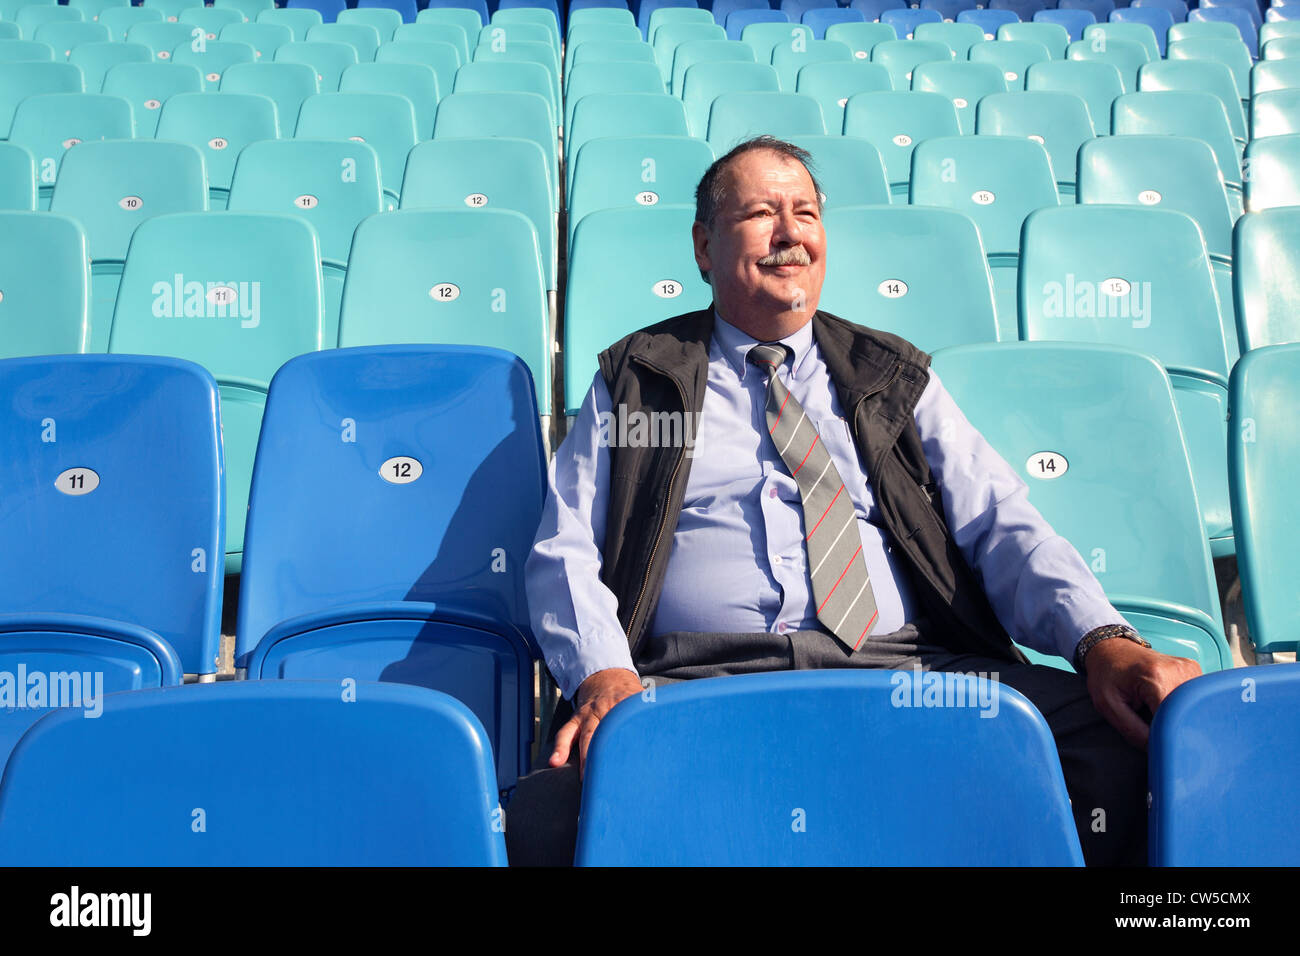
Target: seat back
x=1188, y=113
x=17, y=178
x=849, y=170
x=45, y=297
x=386, y=121
x=831, y=83
x=901, y=57
x=894, y=123
x=1051, y=35
x=19, y=80
x=327, y=58
x=1097, y=84
x=49, y=124
x=705, y=82
x=1265, y=256
x=287, y=84
x=219, y=127
x=264, y=38
x=960, y=37
x=1012, y=57
x=1203, y=76
x=1059, y=122
x=739, y=116
x=96, y=59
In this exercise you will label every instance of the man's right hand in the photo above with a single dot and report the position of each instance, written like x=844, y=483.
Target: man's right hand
x=595, y=697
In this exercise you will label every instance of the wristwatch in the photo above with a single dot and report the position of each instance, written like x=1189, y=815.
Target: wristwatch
x=1099, y=634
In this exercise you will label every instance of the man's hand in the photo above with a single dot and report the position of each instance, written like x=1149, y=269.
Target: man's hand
x=1124, y=675
x=594, y=699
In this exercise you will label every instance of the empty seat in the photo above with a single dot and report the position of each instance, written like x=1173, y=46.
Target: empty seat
x=488, y=76
x=434, y=33
x=915, y=271
x=1097, y=84
x=516, y=115
x=640, y=258
x=901, y=57
x=705, y=82
x=383, y=19
x=400, y=776
x=219, y=127
x=30, y=17
x=894, y=122
x=961, y=38
x=24, y=51
x=1237, y=17
x=469, y=15
x=17, y=178
x=694, y=52
x=421, y=587
x=788, y=61
x=623, y=114
x=211, y=19
x=1074, y=21
x=849, y=170
x=669, y=37
x=687, y=779
x=163, y=37
x=384, y=120
x=264, y=38
x=861, y=38
x=523, y=52
x=738, y=116
x=1265, y=282
x=1231, y=53
x=1224, y=734
x=1126, y=56
x=821, y=18
x=331, y=184
x=739, y=20
x=1138, y=33
x=1282, y=48
x=1269, y=75
x=287, y=84
x=1059, y=122
x=170, y=9
x=1157, y=19
x=612, y=51
x=1096, y=430
x=963, y=83
x=905, y=21
x=96, y=59
x=405, y=9
x=363, y=38
x=49, y=124
x=1051, y=35
x=613, y=77
x=831, y=84
x=1276, y=113
x=1204, y=76
x=987, y=20
x=120, y=20
x=327, y=58
x=417, y=82
x=19, y=80
x=214, y=59
x=442, y=58
x=44, y=288
x=1139, y=278
x=1012, y=57
x=65, y=37
x=239, y=293
x=148, y=86
x=764, y=37
x=1272, y=167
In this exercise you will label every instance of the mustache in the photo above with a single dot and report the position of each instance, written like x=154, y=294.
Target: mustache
x=793, y=256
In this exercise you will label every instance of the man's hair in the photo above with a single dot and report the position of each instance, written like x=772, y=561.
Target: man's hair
x=711, y=193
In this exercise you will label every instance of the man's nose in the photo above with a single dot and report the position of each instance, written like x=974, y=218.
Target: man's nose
x=787, y=230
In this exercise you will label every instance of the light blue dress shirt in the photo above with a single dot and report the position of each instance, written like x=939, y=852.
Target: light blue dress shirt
x=738, y=563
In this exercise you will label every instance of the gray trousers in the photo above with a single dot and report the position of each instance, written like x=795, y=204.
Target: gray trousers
x=1101, y=769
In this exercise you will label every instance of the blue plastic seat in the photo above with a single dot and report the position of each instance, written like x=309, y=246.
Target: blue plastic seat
x=454, y=277
x=670, y=36
x=948, y=9
x=525, y=52
x=688, y=779
x=1202, y=29
x=17, y=178
x=612, y=51
x=1125, y=55
x=764, y=37
x=1238, y=17
x=96, y=59
x=331, y=184
x=1059, y=122
x=436, y=7
x=721, y=9
x=398, y=776
x=406, y=9
x=1224, y=734
x=740, y=20
x=872, y=9
x=1074, y=21
x=646, y=9
x=1051, y=35
x=861, y=38
x=384, y=19
x=916, y=271
x=1159, y=20
x=849, y=170
x=1097, y=84
x=212, y=19
x=1096, y=431
x=833, y=83
x=960, y=37
x=417, y=82
x=163, y=37
x=894, y=122
x=49, y=124
x=362, y=37
x=507, y=76
x=327, y=58
x=820, y=18
x=244, y=298
x=148, y=86
x=1269, y=75
x=1012, y=57
x=422, y=581
x=215, y=58
x=328, y=9
x=988, y=20
x=1138, y=33
x=907, y=20
x=694, y=52
x=299, y=20
x=219, y=127
x=98, y=447
x=1265, y=253
x=705, y=82
x=534, y=12
x=1177, y=8
x=1139, y=278
x=19, y=80
x=46, y=282
x=384, y=120
x=516, y=115
x=583, y=32
x=287, y=84
x=901, y=57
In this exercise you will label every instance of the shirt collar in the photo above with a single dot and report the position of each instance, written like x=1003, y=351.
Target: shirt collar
x=735, y=345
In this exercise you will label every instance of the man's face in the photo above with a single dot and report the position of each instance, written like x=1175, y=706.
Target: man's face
x=766, y=251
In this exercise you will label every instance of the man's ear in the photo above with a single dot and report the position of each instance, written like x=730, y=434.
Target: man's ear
x=700, y=237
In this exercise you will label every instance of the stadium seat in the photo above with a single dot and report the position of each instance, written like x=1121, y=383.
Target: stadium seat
x=901, y=57
x=905, y=21
x=454, y=11
x=987, y=20
x=478, y=271
x=686, y=778
x=1262, y=452
x=740, y=20
x=46, y=283
x=996, y=181
x=611, y=77
x=738, y=116
x=822, y=18
x=1096, y=431
x=612, y=51
x=1073, y=21
x=331, y=184
x=1139, y=278
x=493, y=173
x=398, y=776
x=442, y=58
x=97, y=449
x=120, y=20
x=384, y=120
x=619, y=32
x=599, y=11
x=517, y=115
x=438, y=599
x=328, y=9
x=433, y=32
x=148, y=86
x=861, y=38
x=1012, y=57
x=705, y=82
x=623, y=114
x=327, y=58
x=163, y=37
x=417, y=82
x=1231, y=53
x=636, y=172
x=721, y=9
x=1274, y=30
x=1125, y=55
x=214, y=59
x=245, y=297
x=486, y=76
x=646, y=10
x=1138, y=33
x=1276, y=113
x=764, y=37
x=1220, y=737
x=1284, y=48
x=1272, y=166
x=1097, y=84
x=1059, y=122
x=405, y=9
x=831, y=84
x=251, y=9
x=1100, y=9
x=788, y=62
x=1269, y=75
x=211, y=19
x=530, y=11
x=1237, y=17
x=1051, y=35
x=1201, y=29
x=960, y=37
x=917, y=272
x=17, y=178
x=219, y=127
x=65, y=37
x=1176, y=8
x=540, y=53
x=694, y=52
x=32, y=16
x=1157, y=19
x=795, y=9
x=1265, y=254
x=96, y=59
x=669, y=37
x=91, y=9
x=640, y=258
x=963, y=83
x=849, y=170
x=507, y=33
x=19, y=80
x=299, y=20
x=26, y=51
x=287, y=84
x=894, y=122
x=1203, y=76
x=872, y=9
x=383, y=19
x=49, y=124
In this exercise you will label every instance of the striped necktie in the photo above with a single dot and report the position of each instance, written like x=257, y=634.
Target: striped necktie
x=841, y=586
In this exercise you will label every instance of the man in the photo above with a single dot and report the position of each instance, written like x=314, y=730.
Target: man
x=836, y=510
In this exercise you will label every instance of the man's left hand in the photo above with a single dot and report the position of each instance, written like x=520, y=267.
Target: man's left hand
x=1123, y=675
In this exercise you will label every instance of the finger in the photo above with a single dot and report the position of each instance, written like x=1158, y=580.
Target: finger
x=564, y=742
x=584, y=742
x=1124, y=718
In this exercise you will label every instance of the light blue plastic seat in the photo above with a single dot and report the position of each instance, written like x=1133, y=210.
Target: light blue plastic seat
x=1157, y=19
x=820, y=19
x=833, y=83
x=961, y=38
x=363, y=38
x=611, y=51
x=1273, y=167
x=1139, y=278
x=1074, y=21
x=739, y=20
x=764, y=38
x=264, y=38
x=384, y=19
x=64, y=37
x=327, y=58
x=669, y=37
x=1093, y=431
x=244, y=297
x=987, y=20
x=120, y=20
x=516, y=115
x=92, y=440
x=405, y=9
x=612, y=77
x=46, y=281
x=789, y=62
x=905, y=21
x=49, y=124
x=622, y=114
x=299, y=20
x=96, y=59
x=442, y=58
x=694, y=52
x=901, y=57
x=25, y=51
x=399, y=776
x=997, y=181
x=427, y=32
x=641, y=258
x=214, y=59
x=211, y=19
x=1059, y=122
x=469, y=15
x=1265, y=279
x=1138, y=33
x=17, y=178
x=163, y=37
x=524, y=52
x=92, y=9
x=219, y=127
x=861, y=38
x=646, y=10
x=1051, y=35
x=1269, y=75
x=1273, y=29
x=1204, y=76
x=918, y=272
x=285, y=84
x=19, y=80
x=171, y=10
x=490, y=173
x=583, y=32
x=963, y=83
x=453, y=277
x=1224, y=734
x=1246, y=24
x=894, y=122
x=705, y=82
x=384, y=120
x=417, y=82
x=331, y=184
x=1012, y=57
x=506, y=76
x=872, y=9
x=1097, y=84
x=30, y=17
x=148, y=86
x=849, y=170
x=1282, y=48
x=582, y=12
x=1202, y=29
x=1232, y=53
x=687, y=779
x=529, y=11
x=1125, y=55
x=1275, y=113
x=422, y=582
x=738, y=116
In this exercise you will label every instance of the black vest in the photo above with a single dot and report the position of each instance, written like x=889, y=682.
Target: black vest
x=879, y=379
